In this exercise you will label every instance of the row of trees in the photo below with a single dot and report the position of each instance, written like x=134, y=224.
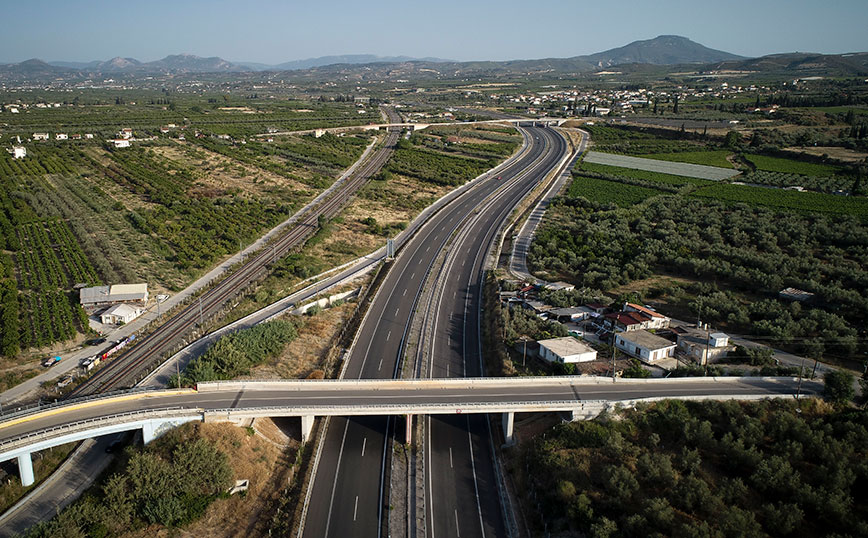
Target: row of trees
x=750, y=249
x=171, y=483
x=235, y=354
x=704, y=469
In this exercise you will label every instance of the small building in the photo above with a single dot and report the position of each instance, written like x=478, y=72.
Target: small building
x=538, y=307
x=61, y=136
x=40, y=136
x=566, y=350
x=99, y=296
x=18, y=152
x=164, y=129
x=598, y=308
x=793, y=294
x=559, y=286
x=125, y=133
x=644, y=346
x=76, y=137
x=121, y=143
x=120, y=314
x=625, y=321
x=703, y=347
x=656, y=320
x=571, y=314
x=318, y=133
x=88, y=136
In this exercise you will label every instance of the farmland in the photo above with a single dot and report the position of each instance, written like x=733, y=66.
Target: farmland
x=613, y=172
x=666, y=167
x=162, y=211
x=708, y=158
x=792, y=166
x=811, y=202
x=609, y=192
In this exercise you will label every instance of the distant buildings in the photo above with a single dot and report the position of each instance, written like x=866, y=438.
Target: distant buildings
x=120, y=143
x=125, y=133
x=61, y=136
x=18, y=152
x=40, y=136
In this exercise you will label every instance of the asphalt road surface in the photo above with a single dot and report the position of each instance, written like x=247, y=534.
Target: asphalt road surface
x=347, y=495
x=460, y=481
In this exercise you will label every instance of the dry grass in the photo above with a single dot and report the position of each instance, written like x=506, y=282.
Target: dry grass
x=252, y=458
x=304, y=354
x=841, y=154
x=215, y=171
x=44, y=463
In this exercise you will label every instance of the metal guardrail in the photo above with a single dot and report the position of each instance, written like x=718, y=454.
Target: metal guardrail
x=19, y=411
x=9, y=444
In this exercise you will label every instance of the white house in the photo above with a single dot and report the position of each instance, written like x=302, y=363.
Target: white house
x=318, y=133
x=61, y=136
x=704, y=347
x=566, y=350
x=19, y=152
x=40, y=136
x=88, y=136
x=644, y=346
x=121, y=143
x=120, y=313
x=125, y=133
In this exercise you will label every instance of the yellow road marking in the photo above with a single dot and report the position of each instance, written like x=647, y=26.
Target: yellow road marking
x=84, y=405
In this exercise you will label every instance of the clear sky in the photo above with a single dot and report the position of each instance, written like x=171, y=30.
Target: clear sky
x=275, y=32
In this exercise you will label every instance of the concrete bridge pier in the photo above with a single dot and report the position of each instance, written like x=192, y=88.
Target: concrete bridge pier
x=508, y=427
x=25, y=470
x=306, y=427
x=409, y=430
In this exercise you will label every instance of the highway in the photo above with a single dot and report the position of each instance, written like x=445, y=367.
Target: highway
x=128, y=368
x=461, y=491
x=346, y=497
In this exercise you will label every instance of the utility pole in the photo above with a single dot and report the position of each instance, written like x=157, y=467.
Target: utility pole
x=614, y=351
x=178, y=372
x=200, y=311
x=524, y=355
x=799, y=389
x=707, y=340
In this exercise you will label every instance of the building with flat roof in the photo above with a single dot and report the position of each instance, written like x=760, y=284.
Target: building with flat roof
x=566, y=350
x=644, y=346
x=120, y=313
x=703, y=347
x=115, y=294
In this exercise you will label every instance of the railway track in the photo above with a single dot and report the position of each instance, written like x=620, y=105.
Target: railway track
x=127, y=368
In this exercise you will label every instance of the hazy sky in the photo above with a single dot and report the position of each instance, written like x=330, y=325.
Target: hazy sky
x=274, y=32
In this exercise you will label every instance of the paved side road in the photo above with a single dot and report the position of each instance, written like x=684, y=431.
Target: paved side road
x=75, y=475
x=524, y=238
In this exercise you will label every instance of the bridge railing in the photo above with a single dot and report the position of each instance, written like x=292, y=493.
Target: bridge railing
x=11, y=412
x=305, y=384
x=117, y=418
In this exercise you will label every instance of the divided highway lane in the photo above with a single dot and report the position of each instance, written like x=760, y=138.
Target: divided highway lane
x=346, y=495
x=460, y=482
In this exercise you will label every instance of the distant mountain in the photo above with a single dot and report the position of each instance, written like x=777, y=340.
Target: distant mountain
x=33, y=68
x=802, y=64
x=662, y=50
x=351, y=59
x=188, y=63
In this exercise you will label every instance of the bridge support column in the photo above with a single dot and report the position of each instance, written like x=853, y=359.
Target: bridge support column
x=148, y=432
x=306, y=427
x=508, y=424
x=25, y=470
x=409, y=430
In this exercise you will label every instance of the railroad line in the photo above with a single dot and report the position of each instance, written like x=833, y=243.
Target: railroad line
x=125, y=369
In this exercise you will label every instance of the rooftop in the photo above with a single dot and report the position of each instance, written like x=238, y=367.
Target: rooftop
x=566, y=346
x=645, y=340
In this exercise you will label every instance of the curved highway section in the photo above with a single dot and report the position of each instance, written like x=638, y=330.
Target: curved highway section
x=348, y=494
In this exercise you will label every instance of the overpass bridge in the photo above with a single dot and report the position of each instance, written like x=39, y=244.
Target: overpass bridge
x=418, y=126
x=154, y=412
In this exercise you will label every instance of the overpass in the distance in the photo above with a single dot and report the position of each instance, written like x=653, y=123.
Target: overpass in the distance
x=154, y=412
